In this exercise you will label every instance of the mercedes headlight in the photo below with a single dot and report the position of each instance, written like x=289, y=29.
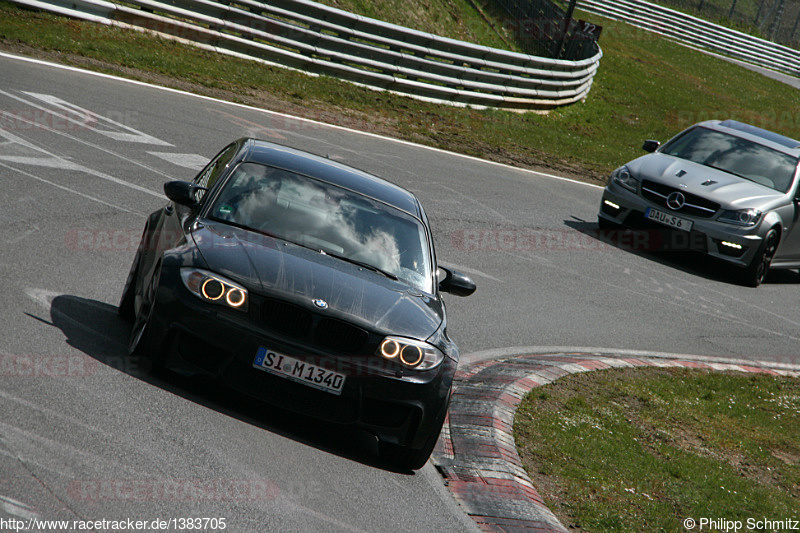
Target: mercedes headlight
x=622, y=176
x=214, y=289
x=410, y=353
x=741, y=217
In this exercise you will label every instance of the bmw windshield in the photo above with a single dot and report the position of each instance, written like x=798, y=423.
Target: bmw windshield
x=326, y=218
x=734, y=155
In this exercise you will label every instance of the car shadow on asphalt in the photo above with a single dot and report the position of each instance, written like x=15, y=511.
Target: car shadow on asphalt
x=96, y=329
x=661, y=246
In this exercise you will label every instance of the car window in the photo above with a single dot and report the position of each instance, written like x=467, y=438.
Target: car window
x=741, y=157
x=327, y=218
x=209, y=175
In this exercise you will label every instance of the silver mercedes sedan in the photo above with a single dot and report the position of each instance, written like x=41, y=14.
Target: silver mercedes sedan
x=723, y=188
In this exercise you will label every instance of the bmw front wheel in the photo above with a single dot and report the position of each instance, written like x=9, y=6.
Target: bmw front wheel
x=139, y=340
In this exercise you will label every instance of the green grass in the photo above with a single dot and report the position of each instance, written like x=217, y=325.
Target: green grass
x=642, y=450
x=646, y=87
x=477, y=21
x=717, y=11
x=747, y=17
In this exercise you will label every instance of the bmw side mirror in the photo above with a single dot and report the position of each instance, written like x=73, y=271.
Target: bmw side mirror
x=650, y=145
x=455, y=282
x=182, y=192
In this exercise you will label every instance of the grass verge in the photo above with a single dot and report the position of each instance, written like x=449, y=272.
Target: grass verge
x=645, y=449
x=476, y=21
x=646, y=87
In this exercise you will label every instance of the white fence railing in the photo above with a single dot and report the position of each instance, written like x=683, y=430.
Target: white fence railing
x=322, y=40
x=697, y=32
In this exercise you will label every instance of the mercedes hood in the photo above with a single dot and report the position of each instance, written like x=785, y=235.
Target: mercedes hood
x=716, y=185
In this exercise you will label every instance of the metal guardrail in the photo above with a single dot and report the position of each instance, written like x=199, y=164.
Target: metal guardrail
x=697, y=32
x=322, y=40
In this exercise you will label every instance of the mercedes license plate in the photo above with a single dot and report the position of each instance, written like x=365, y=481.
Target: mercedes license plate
x=668, y=220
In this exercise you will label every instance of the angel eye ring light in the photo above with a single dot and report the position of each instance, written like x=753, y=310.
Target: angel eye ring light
x=390, y=348
x=214, y=289
x=410, y=353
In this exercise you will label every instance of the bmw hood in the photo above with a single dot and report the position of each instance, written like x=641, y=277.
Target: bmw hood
x=717, y=185
x=278, y=269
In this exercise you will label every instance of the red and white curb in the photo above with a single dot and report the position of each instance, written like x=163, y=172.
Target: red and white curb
x=477, y=454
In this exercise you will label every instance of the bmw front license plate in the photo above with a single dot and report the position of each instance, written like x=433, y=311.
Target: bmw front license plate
x=668, y=220
x=299, y=371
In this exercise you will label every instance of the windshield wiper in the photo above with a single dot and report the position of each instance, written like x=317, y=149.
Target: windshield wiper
x=314, y=248
x=361, y=264
x=244, y=227
x=264, y=232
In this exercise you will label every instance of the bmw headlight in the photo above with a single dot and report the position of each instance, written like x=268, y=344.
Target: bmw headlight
x=622, y=176
x=214, y=289
x=410, y=353
x=741, y=217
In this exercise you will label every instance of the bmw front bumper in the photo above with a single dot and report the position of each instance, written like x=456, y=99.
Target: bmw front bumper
x=399, y=406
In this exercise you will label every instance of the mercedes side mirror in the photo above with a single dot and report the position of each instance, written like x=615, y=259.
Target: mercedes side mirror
x=650, y=145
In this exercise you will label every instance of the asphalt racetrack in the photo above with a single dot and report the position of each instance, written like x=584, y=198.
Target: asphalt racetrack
x=87, y=433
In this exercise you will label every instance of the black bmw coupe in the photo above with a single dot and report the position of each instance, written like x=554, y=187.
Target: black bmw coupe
x=306, y=284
